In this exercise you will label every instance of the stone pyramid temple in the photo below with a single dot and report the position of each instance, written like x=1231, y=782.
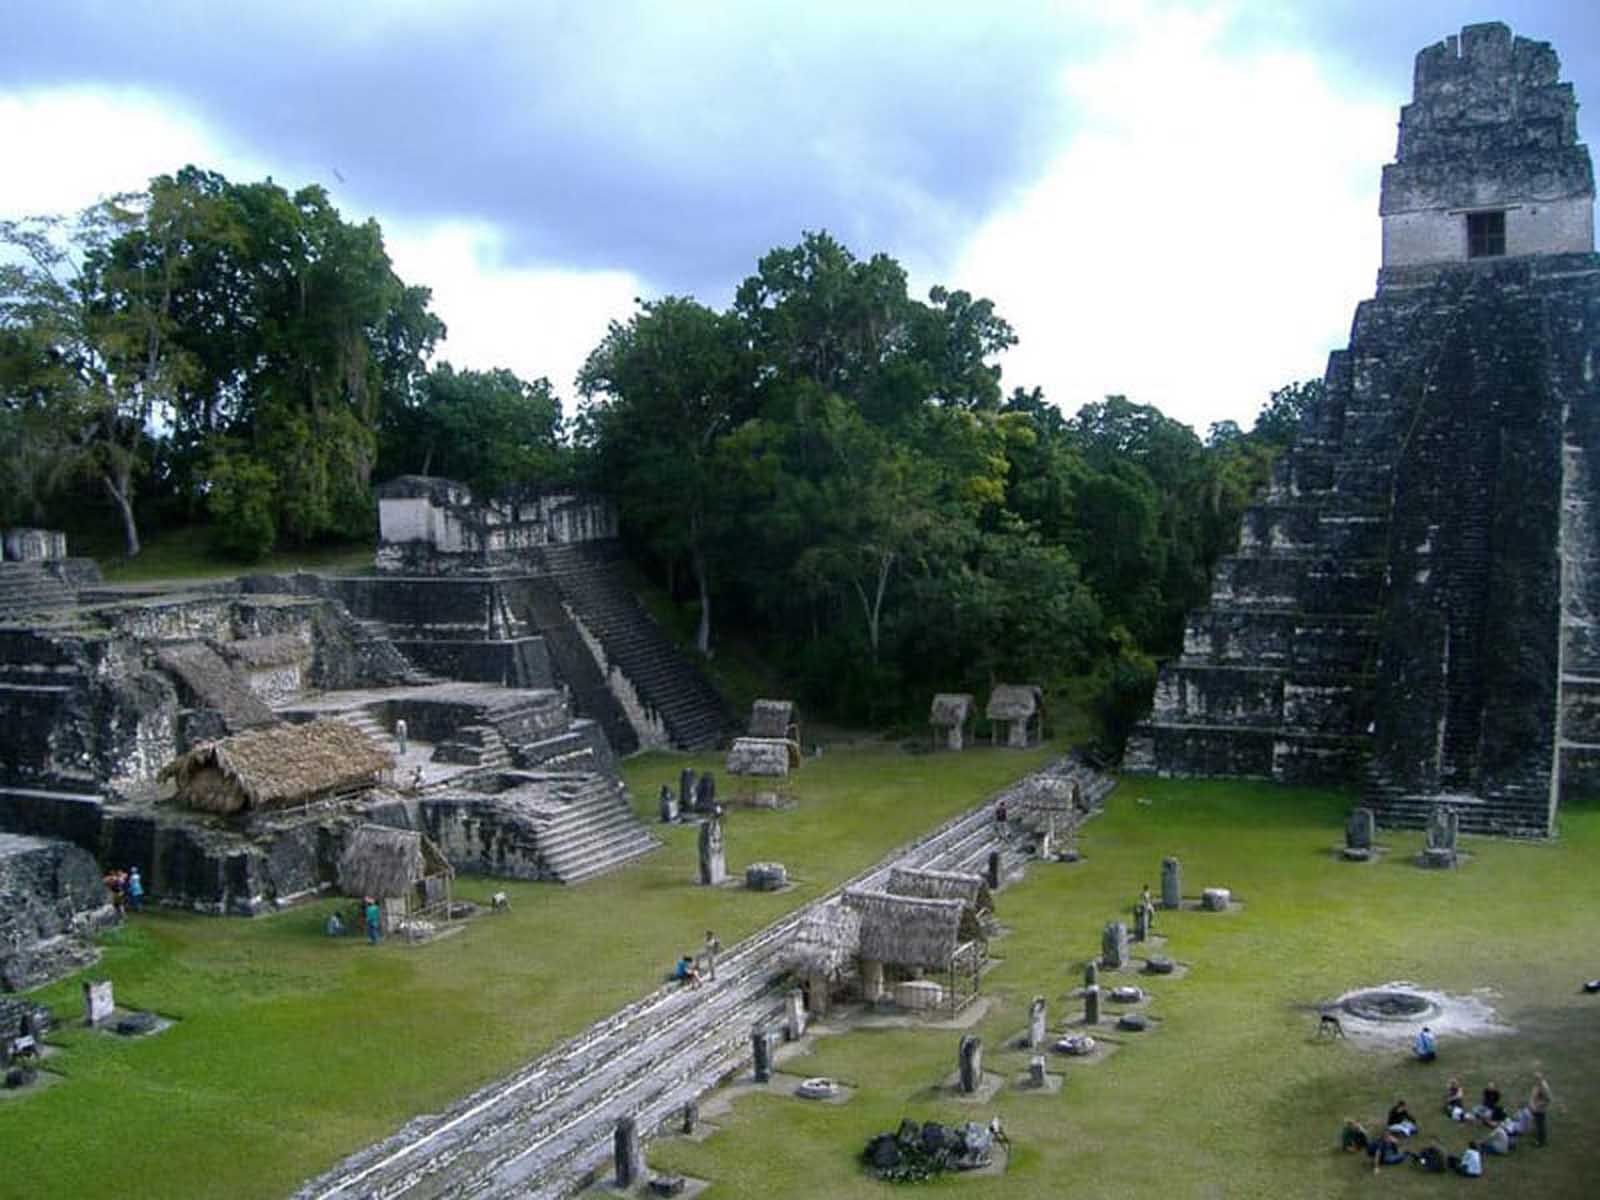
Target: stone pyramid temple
x=1414, y=600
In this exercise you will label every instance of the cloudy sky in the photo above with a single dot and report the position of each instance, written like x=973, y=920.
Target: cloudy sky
x=1171, y=199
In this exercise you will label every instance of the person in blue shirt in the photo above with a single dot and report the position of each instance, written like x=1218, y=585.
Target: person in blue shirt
x=135, y=890
x=1424, y=1047
x=374, y=915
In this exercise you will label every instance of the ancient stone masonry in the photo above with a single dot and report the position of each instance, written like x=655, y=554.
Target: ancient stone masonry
x=1413, y=602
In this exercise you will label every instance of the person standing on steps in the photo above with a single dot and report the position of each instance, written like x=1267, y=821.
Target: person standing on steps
x=374, y=915
x=713, y=948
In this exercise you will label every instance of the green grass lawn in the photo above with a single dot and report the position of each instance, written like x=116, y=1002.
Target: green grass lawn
x=1230, y=1096
x=186, y=553
x=291, y=1050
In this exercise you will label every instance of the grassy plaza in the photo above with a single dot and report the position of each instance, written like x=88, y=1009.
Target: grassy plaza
x=290, y=1050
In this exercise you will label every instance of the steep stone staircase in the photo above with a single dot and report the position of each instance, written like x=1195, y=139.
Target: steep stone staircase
x=585, y=827
x=28, y=590
x=667, y=683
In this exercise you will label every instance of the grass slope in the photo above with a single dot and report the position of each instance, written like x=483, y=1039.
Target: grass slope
x=1230, y=1096
x=292, y=1050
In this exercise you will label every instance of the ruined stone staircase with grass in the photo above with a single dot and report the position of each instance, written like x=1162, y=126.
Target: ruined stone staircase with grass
x=546, y=1130
x=28, y=590
x=585, y=827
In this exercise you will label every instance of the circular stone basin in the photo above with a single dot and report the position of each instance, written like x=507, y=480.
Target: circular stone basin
x=1388, y=1004
x=819, y=1088
x=1077, y=1045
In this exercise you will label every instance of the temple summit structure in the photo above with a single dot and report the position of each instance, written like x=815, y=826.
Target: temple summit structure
x=1412, y=605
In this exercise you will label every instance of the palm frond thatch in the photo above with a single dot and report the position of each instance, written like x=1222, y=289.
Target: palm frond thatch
x=951, y=709
x=964, y=886
x=212, y=683
x=767, y=757
x=771, y=718
x=826, y=942
x=1014, y=701
x=907, y=931
x=277, y=767
x=382, y=861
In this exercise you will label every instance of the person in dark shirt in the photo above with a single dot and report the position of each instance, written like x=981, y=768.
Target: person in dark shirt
x=1399, y=1120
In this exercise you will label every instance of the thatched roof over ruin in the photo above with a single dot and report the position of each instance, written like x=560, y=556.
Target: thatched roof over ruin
x=1034, y=800
x=212, y=683
x=381, y=861
x=256, y=653
x=1014, y=701
x=825, y=942
x=964, y=886
x=907, y=931
x=767, y=757
x=772, y=718
x=951, y=709
x=277, y=767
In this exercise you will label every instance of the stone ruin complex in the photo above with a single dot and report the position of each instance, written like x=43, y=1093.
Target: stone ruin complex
x=1412, y=605
x=467, y=659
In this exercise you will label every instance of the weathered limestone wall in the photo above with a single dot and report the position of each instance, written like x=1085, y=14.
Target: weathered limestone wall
x=51, y=900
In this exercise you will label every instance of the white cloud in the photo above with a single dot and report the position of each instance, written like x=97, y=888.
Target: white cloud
x=534, y=321
x=1202, y=238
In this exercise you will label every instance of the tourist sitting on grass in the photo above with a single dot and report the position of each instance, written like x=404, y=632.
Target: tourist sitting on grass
x=1399, y=1120
x=686, y=972
x=1431, y=1158
x=1386, y=1151
x=1455, y=1100
x=997, y=1131
x=1354, y=1136
x=334, y=926
x=1470, y=1163
x=1490, y=1112
x=1424, y=1047
x=1498, y=1141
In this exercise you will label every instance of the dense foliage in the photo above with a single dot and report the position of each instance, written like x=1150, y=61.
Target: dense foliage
x=828, y=466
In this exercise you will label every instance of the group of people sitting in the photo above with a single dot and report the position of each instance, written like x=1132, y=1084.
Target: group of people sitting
x=1503, y=1131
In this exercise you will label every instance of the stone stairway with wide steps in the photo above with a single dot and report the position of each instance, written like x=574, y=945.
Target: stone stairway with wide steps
x=585, y=828
x=545, y=1131
x=477, y=745
x=589, y=579
x=372, y=630
x=28, y=590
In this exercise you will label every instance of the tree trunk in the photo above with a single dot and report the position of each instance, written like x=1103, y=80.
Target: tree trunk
x=702, y=635
x=874, y=607
x=121, y=491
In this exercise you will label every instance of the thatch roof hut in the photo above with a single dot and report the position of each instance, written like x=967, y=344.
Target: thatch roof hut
x=278, y=767
x=825, y=943
x=951, y=709
x=767, y=757
x=774, y=719
x=212, y=683
x=1035, y=800
x=1015, y=702
x=907, y=931
x=385, y=862
x=964, y=886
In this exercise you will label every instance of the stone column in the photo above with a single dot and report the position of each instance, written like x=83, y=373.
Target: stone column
x=994, y=870
x=794, y=1022
x=871, y=979
x=1017, y=734
x=1091, y=1005
x=98, y=1001
x=705, y=792
x=1171, y=883
x=686, y=790
x=761, y=1045
x=1036, y=1074
x=1141, y=923
x=1091, y=973
x=818, y=988
x=1036, y=1023
x=953, y=737
x=1359, y=829
x=669, y=805
x=691, y=1115
x=400, y=736
x=1114, y=945
x=970, y=1060
x=627, y=1153
x=713, y=866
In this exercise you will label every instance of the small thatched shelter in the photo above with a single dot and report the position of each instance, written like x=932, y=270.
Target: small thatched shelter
x=399, y=867
x=1020, y=708
x=822, y=952
x=968, y=888
x=278, y=767
x=760, y=768
x=1041, y=801
x=950, y=716
x=911, y=936
x=206, y=681
x=775, y=719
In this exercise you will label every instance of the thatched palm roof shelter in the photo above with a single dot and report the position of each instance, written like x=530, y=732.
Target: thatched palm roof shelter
x=1035, y=800
x=384, y=862
x=1014, y=701
x=964, y=886
x=951, y=708
x=774, y=719
x=907, y=931
x=278, y=767
x=212, y=683
x=824, y=944
x=768, y=757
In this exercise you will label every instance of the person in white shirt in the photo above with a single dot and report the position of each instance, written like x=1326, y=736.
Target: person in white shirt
x=1470, y=1163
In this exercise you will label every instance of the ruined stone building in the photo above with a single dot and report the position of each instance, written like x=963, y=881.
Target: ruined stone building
x=229, y=737
x=1413, y=603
